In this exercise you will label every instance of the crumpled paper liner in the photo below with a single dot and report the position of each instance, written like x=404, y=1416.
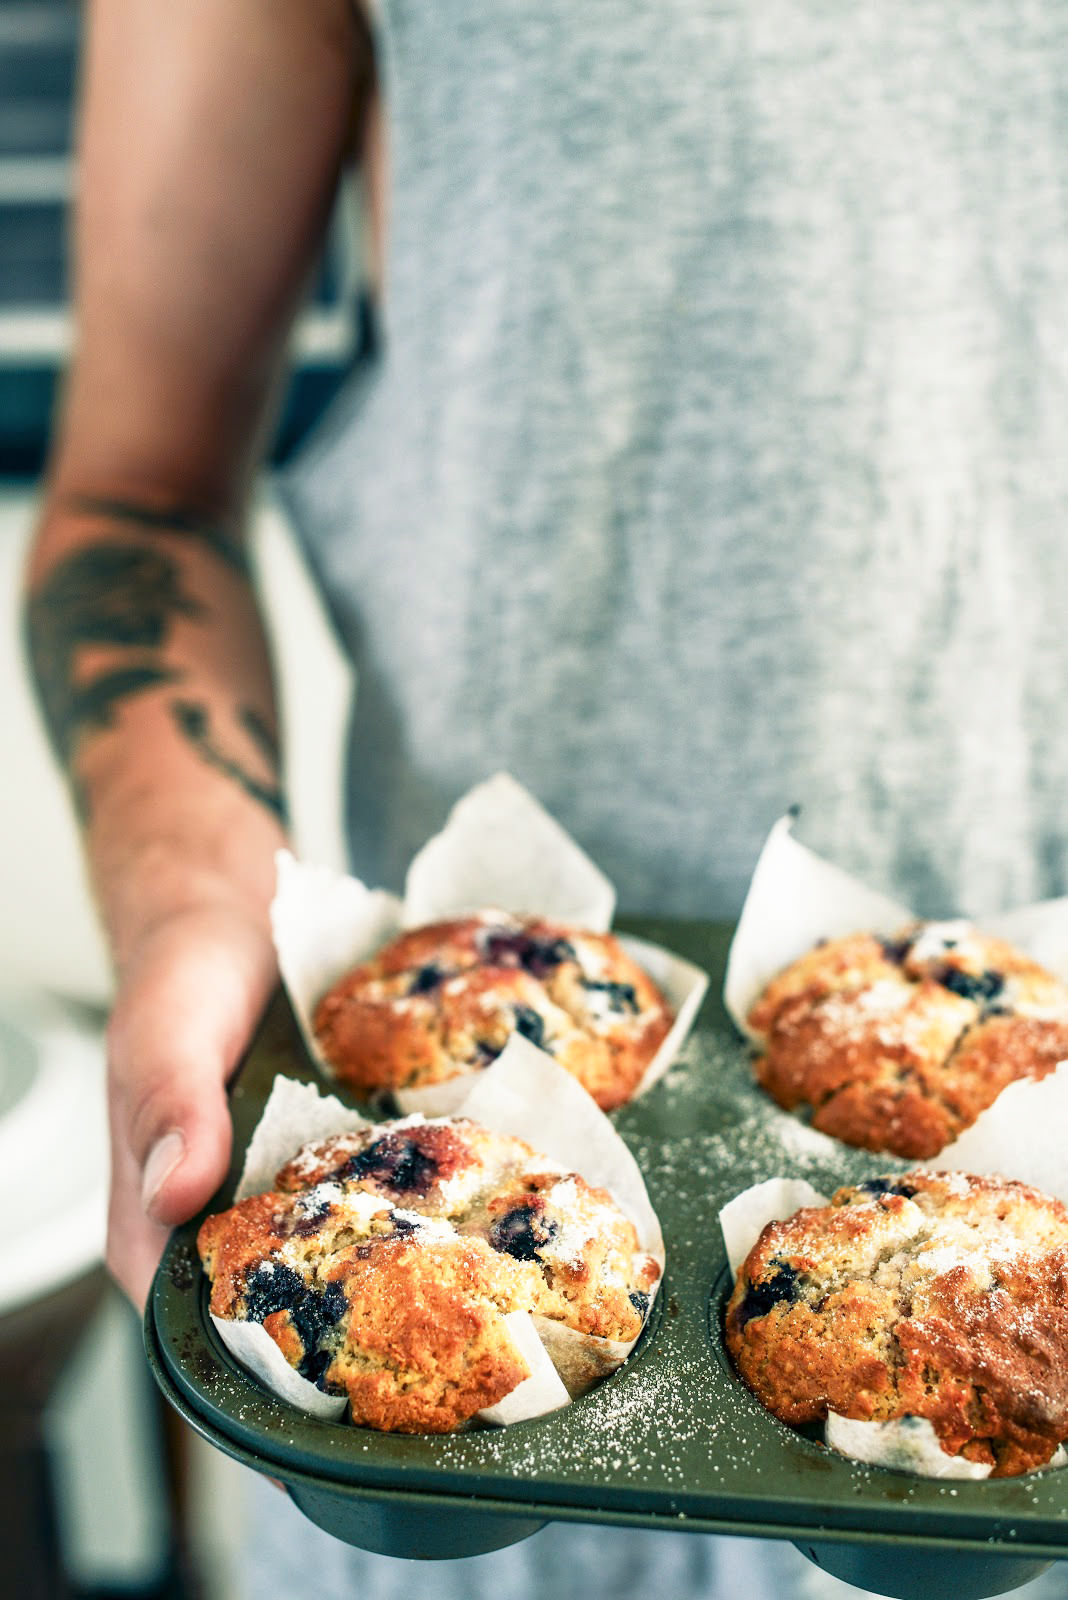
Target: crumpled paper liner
x=499, y=848
x=906, y=1444
x=524, y=1093
x=797, y=898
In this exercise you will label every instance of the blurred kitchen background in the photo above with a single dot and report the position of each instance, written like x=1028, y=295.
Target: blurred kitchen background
x=100, y=1494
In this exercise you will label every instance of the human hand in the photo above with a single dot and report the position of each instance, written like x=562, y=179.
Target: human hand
x=190, y=994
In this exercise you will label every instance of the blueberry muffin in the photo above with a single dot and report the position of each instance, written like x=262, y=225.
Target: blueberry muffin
x=930, y=1295
x=384, y=1262
x=443, y=1000
x=898, y=1044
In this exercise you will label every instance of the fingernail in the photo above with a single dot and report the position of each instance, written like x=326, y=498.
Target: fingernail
x=163, y=1157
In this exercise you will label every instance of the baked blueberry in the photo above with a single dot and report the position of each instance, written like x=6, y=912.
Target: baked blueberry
x=521, y=1233
x=427, y=979
x=887, y=1186
x=759, y=1298
x=982, y=986
x=395, y=1159
x=503, y=948
x=619, y=996
x=275, y=1287
x=530, y=1025
x=308, y=1215
x=272, y=1287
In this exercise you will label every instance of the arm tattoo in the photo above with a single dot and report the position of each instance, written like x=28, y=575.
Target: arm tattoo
x=261, y=735
x=105, y=594
x=193, y=721
x=126, y=597
x=177, y=519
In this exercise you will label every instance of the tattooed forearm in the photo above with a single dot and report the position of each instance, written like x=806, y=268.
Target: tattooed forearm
x=194, y=723
x=176, y=519
x=102, y=595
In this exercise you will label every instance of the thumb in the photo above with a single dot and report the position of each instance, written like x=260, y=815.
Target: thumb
x=170, y=1146
x=187, y=1006
x=182, y=1020
x=190, y=1139
x=169, y=1111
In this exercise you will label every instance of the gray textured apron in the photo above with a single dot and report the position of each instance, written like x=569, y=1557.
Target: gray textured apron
x=716, y=457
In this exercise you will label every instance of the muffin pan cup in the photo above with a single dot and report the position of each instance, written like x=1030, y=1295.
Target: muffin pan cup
x=673, y=1440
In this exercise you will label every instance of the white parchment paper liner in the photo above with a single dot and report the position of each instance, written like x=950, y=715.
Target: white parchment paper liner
x=797, y=898
x=906, y=1444
x=499, y=848
x=524, y=1093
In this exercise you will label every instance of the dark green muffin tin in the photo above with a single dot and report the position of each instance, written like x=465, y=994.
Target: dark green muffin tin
x=672, y=1441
